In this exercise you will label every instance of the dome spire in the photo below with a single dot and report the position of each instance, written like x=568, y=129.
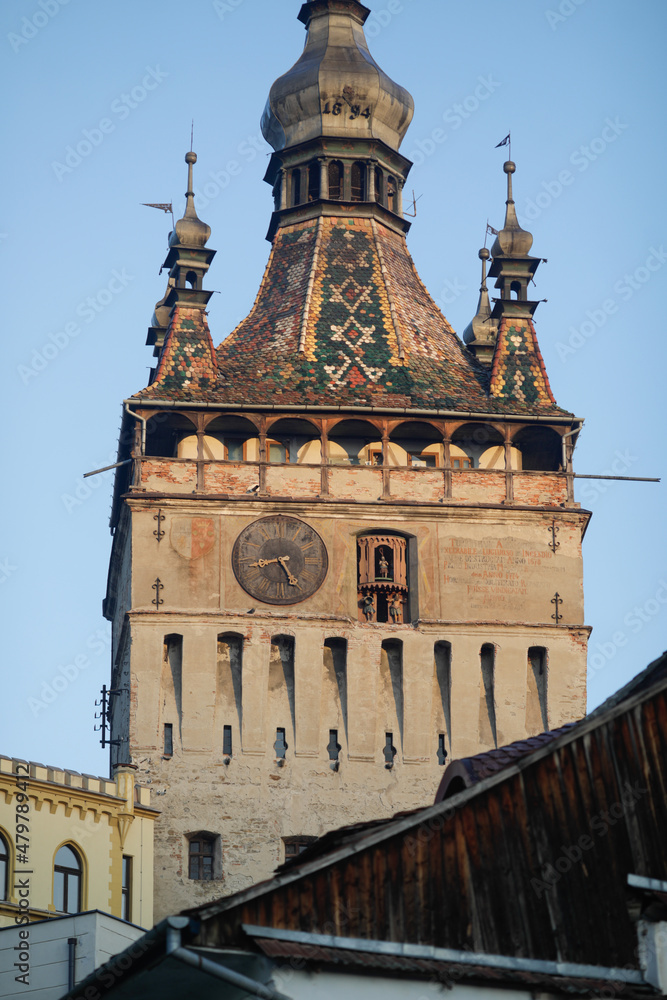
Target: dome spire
x=190, y=231
x=512, y=266
x=336, y=88
x=512, y=240
x=336, y=122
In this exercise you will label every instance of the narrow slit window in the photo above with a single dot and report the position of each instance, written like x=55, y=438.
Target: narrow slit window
x=168, y=739
x=126, y=909
x=334, y=746
x=389, y=750
x=280, y=746
x=227, y=741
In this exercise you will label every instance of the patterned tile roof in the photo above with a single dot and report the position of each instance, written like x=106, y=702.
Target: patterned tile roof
x=187, y=368
x=343, y=318
x=518, y=371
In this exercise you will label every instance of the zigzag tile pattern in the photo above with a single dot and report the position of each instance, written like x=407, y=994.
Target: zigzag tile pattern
x=343, y=319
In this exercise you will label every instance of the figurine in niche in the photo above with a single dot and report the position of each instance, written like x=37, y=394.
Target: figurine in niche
x=369, y=607
x=384, y=566
x=396, y=609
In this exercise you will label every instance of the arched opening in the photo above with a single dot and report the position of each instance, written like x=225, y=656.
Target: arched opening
x=296, y=186
x=488, y=732
x=540, y=448
x=455, y=786
x=172, y=682
x=379, y=186
x=227, y=438
x=537, y=717
x=4, y=867
x=334, y=693
x=392, y=194
x=421, y=444
x=358, y=178
x=349, y=441
x=442, y=652
x=390, y=697
x=335, y=180
x=313, y=181
x=67, y=880
x=277, y=190
x=281, y=700
x=383, y=573
x=294, y=441
x=166, y=432
x=191, y=279
x=515, y=290
x=471, y=441
x=229, y=690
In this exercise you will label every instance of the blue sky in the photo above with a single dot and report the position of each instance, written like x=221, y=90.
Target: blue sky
x=581, y=84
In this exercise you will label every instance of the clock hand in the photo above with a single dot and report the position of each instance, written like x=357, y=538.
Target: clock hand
x=293, y=582
x=265, y=562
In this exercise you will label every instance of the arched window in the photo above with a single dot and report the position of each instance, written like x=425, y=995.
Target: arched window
x=335, y=180
x=314, y=181
x=392, y=194
x=4, y=867
x=67, y=879
x=191, y=279
x=296, y=186
x=358, y=181
x=382, y=575
x=379, y=186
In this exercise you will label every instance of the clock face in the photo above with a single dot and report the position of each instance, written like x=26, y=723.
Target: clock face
x=280, y=560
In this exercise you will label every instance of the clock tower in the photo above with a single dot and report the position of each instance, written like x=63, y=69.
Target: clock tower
x=346, y=547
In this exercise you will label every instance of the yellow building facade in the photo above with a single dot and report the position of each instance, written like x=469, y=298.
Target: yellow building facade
x=72, y=842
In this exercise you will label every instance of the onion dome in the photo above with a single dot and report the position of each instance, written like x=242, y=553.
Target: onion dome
x=190, y=231
x=336, y=88
x=512, y=240
x=161, y=314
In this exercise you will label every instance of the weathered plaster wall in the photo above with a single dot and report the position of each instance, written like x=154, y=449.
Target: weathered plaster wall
x=485, y=575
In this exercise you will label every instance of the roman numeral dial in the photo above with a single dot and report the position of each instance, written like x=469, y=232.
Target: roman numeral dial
x=280, y=560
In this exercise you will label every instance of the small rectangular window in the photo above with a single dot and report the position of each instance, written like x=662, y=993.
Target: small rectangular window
x=227, y=741
x=294, y=846
x=126, y=907
x=168, y=739
x=461, y=463
x=201, y=859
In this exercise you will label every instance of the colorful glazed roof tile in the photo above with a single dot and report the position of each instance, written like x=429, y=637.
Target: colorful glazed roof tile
x=518, y=371
x=342, y=318
x=187, y=367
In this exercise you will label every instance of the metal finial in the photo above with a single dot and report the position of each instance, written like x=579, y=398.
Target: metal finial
x=192, y=134
x=483, y=255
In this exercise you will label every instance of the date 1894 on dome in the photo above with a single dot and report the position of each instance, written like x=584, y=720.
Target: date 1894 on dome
x=338, y=108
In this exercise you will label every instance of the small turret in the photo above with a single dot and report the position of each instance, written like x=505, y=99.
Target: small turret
x=480, y=334
x=188, y=259
x=512, y=266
